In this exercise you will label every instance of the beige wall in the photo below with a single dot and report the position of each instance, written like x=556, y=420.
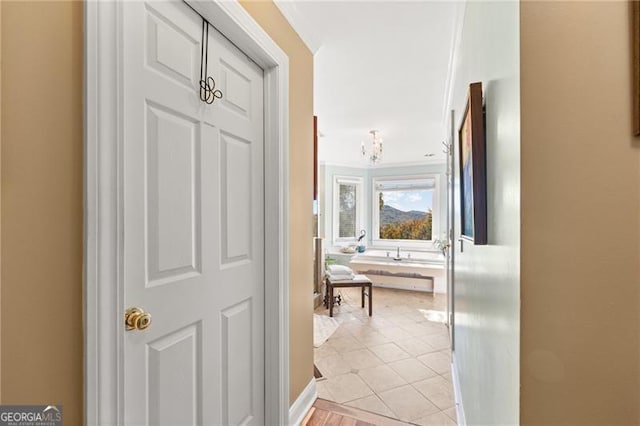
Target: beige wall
x=580, y=351
x=300, y=189
x=0, y=203
x=487, y=278
x=42, y=205
x=41, y=196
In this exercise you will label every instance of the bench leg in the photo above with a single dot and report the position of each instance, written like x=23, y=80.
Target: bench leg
x=326, y=293
x=362, y=294
x=370, y=299
x=330, y=301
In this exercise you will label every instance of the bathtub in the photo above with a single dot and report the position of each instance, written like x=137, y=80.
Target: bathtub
x=421, y=271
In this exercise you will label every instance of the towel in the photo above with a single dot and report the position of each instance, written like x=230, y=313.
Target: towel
x=339, y=270
x=355, y=278
x=335, y=277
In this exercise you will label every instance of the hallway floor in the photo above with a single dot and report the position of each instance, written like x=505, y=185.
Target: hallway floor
x=395, y=363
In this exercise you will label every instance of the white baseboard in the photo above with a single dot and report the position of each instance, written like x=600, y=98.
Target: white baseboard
x=303, y=403
x=462, y=421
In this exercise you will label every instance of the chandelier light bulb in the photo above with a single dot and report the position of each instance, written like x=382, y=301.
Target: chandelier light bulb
x=376, y=148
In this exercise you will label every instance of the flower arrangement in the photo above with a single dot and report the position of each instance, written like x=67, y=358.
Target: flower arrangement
x=442, y=244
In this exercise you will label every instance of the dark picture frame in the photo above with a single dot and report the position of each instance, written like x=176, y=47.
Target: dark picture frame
x=635, y=41
x=472, y=166
x=315, y=157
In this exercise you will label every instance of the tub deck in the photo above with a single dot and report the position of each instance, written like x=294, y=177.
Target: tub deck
x=420, y=274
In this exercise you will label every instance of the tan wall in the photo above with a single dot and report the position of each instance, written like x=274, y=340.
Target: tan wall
x=580, y=351
x=42, y=205
x=0, y=203
x=300, y=189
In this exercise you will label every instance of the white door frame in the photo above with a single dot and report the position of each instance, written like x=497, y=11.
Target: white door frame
x=103, y=300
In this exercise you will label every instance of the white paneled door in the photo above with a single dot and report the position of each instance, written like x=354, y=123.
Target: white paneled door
x=193, y=223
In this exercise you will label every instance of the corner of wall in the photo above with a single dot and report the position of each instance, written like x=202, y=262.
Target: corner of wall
x=269, y=17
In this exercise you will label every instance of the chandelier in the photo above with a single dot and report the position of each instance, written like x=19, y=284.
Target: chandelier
x=376, y=148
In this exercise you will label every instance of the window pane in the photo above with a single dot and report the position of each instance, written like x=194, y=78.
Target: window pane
x=406, y=214
x=347, y=214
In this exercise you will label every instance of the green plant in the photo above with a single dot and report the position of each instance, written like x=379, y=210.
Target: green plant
x=328, y=260
x=442, y=244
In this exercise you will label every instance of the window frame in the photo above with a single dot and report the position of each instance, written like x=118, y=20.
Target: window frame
x=376, y=241
x=347, y=180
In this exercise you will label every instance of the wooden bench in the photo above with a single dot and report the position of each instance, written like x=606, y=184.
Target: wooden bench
x=358, y=281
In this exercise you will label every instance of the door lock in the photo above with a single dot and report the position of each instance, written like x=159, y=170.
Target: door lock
x=136, y=319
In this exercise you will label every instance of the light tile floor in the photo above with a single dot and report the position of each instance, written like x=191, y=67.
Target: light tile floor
x=395, y=363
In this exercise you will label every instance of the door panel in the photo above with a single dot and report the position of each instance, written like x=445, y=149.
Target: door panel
x=235, y=166
x=174, y=365
x=233, y=82
x=171, y=51
x=173, y=191
x=193, y=220
x=237, y=368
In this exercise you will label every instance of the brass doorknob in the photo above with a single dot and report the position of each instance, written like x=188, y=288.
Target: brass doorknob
x=136, y=319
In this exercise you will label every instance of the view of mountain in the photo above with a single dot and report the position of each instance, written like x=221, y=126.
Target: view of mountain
x=390, y=215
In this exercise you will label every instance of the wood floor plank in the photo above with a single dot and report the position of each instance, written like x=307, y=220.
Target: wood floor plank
x=333, y=419
x=348, y=421
x=362, y=418
x=318, y=418
x=308, y=416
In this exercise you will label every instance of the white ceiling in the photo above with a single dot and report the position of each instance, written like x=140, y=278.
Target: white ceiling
x=379, y=65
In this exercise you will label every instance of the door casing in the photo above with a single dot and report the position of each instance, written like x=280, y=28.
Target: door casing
x=103, y=302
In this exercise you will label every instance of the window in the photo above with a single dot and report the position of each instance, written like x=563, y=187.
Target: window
x=347, y=208
x=405, y=209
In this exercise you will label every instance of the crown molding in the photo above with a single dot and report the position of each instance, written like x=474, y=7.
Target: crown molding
x=338, y=164
x=432, y=162
x=453, y=60
x=299, y=23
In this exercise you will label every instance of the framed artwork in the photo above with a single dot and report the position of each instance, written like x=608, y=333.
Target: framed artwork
x=315, y=157
x=473, y=176
x=635, y=39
